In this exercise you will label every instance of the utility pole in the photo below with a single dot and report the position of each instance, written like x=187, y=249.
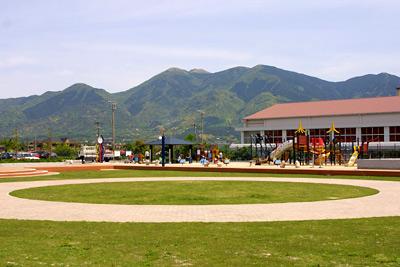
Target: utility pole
x=98, y=128
x=16, y=141
x=195, y=131
x=50, y=143
x=202, y=124
x=113, y=108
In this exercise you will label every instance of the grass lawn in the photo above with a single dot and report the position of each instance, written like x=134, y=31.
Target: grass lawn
x=356, y=242
x=193, y=192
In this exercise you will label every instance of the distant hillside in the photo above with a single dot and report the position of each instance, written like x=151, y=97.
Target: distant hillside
x=173, y=99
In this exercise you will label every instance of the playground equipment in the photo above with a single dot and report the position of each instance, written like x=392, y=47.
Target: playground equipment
x=353, y=158
x=319, y=155
x=321, y=159
x=282, y=148
x=300, y=148
x=320, y=147
x=214, y=153
x=262, y=148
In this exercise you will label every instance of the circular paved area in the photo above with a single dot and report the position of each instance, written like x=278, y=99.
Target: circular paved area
x=385, y=203
x=7, y=172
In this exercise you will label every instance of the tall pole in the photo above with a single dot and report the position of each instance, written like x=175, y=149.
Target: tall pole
x=98, y=128
x=162, y=131
x=16, y=141
x=113, y=109
x=202, y=125
x=50, y=144
x=195, y=130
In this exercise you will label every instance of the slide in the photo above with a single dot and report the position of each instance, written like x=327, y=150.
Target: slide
x=353, y=159
x=278, y=152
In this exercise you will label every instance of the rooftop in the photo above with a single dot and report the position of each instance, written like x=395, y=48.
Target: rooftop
x=389, y=104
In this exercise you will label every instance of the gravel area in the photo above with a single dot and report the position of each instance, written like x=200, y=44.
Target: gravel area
x=385, y=203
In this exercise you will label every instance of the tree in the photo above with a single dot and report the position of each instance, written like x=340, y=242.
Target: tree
x=129, y=147
x=11, y=145
x=139, y=147
x=191, y=138
x=64, y=150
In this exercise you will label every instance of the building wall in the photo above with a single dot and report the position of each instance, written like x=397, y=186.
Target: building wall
x=347, y=121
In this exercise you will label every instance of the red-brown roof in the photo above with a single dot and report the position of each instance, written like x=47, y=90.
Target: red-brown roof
x=387, y=104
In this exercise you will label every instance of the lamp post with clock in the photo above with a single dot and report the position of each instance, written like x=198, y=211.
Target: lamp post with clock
x=100, y=150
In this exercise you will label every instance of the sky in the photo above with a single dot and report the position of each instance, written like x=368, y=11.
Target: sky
x=48, y=45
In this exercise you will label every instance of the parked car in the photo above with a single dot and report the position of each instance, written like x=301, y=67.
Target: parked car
x=45, y=154
x=27, y=155
x=7, y=155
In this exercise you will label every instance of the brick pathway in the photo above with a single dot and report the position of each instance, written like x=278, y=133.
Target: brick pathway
x=385, y=203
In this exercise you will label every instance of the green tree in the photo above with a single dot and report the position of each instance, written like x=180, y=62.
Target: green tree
x=129, y=147
x=64, y=150
x=139, y=146
x=190, y=137
x=11, y=144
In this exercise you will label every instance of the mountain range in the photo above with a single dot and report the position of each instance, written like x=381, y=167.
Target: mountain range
x=175, y=99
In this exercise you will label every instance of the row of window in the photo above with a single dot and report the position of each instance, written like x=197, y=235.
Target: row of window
x=372, y=134
x=394, y=133
x=368, y=134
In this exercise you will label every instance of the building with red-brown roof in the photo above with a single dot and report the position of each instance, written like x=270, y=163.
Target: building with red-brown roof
x=364, y=119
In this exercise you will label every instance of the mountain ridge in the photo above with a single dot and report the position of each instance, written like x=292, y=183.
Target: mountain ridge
x=173, y=98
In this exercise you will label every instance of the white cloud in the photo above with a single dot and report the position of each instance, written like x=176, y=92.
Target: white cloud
x=160, y=51
x=345, y=66
x=48, y=44
x=64, y=72
x=16, y=61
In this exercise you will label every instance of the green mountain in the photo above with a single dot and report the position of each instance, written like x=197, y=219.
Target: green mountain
x=174, y=99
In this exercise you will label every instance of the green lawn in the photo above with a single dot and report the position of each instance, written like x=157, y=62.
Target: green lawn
x=167, y=173
x=193, y=192
x=357, y=242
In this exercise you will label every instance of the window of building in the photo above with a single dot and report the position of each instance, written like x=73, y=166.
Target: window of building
x=313, y=133
x=394, y=132
x=372, y=134
x=346, y=135
x=318, y=132
x=290, y=134
x=275, y=136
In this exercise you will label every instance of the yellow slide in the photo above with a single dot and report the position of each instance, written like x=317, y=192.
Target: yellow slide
x=353, y=159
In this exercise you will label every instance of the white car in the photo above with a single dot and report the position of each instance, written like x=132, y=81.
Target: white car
x=27, y=155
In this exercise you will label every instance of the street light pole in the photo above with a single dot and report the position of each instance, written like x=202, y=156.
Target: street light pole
x=162, y=132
